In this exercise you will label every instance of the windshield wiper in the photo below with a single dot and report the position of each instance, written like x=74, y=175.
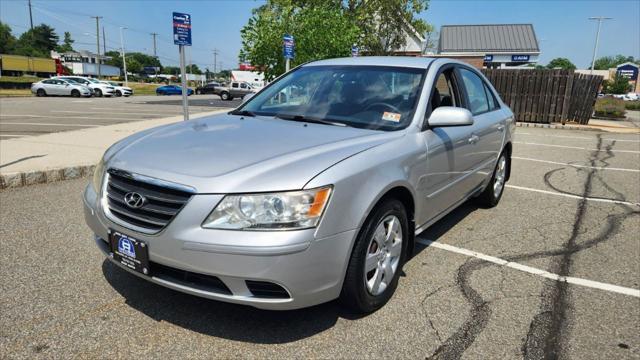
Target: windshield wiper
x=242, y=112
x=303, y=118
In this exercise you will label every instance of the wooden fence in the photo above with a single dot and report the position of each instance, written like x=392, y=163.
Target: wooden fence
x=546, y=96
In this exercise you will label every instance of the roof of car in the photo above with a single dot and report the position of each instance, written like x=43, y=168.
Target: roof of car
x=402, y=61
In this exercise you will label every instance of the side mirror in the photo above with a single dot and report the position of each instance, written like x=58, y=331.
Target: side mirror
x=450, y=116
x=247, y=97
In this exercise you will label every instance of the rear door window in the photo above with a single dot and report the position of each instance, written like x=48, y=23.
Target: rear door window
x=477, y=96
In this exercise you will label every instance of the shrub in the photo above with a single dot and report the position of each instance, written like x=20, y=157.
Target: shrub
x=632, y=105
x=610, y=107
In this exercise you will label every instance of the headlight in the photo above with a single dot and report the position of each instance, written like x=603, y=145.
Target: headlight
x=273, y=211
x=98, y=174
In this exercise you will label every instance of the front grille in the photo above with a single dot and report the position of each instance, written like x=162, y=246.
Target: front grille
x=189, y=279
x=161, y=204
x=264, y=289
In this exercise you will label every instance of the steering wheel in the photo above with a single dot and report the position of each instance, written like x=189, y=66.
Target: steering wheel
x=388, y=106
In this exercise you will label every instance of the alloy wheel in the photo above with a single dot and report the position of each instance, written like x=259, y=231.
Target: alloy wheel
x=501, y=172
x=383, y=255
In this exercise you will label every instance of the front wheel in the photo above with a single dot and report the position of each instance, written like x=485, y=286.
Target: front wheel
x=98, y=93
x=377, y=258
x=75, y=93
x=41, y=93
x=493, y=192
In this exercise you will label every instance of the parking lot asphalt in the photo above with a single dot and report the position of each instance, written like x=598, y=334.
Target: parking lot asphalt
x=28, y=116
x=551, y=272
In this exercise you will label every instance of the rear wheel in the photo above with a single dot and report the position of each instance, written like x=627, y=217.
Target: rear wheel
x=118, y=93
x=377, y=258
x=41, y=92
x=98, y=93
x=224, y=95
x=75, y=93
x=493, y=192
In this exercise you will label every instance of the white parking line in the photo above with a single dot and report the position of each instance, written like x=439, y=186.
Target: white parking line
x=71, y=117
x=12, y=136
x=531, y=270
x=47, y=124
x=577, y=147
x=619, y=202
x=575, y=137
x=111, y=112
x=575, y=165
x=142, y=109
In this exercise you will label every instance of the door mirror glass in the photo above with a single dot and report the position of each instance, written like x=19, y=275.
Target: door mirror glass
x=450, y=116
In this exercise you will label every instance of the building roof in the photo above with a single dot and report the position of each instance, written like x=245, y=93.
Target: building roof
x=508, y=38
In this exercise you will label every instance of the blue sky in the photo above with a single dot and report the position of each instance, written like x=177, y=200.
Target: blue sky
x=562, y=26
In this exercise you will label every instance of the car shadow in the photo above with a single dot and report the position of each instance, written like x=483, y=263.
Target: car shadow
x=239, y=322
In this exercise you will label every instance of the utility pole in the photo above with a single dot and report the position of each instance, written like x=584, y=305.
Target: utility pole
x=215, y=62
x=155, y=54
x=595, y=48
x=124, y=58
x=30, y=15
x=104, y=42
x=97, y=43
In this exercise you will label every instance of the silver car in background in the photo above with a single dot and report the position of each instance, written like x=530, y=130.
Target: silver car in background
x=311, y=190
x=59, y=87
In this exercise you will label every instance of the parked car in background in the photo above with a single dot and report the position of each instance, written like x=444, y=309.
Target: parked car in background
x=288, y=202
x=631, y=97
x=99, y=88
x=209, y=88
x=60, y=87
x=119, y=89
x=235, y=89
x=172, y=90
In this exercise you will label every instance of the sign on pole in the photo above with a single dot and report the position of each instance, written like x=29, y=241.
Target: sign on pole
x=355, y=51
x=288, y=49
x=182, y=38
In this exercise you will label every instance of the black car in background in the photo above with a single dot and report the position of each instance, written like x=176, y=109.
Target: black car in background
x=209, y=88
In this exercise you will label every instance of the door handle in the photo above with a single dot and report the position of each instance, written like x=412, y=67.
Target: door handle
x=501, y=128
x=473, y=139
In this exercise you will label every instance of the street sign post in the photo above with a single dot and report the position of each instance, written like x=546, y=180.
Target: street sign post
x=288, y=49
x=182, y=38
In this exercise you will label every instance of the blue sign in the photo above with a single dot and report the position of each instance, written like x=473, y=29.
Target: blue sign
x=629, y=71
x=288, y=49
x=181, y=29
x=516, y=58
x=355, y=51
x=488, y=58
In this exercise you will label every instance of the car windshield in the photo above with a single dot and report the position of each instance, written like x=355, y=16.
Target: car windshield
x=371, y=97
x=93, y=80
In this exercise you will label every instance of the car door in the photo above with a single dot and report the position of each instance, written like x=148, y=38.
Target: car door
x=445, y=181
x=488, y=127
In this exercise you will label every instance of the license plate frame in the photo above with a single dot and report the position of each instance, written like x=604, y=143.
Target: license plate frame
x=130, y=252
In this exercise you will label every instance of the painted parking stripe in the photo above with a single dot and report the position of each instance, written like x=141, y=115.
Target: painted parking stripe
x=48, y=124
x=531, y=270
x=575, y=137
x=71, y=117
x=575, y=165
x=611, y=201
x=112, y=112
x=577, y=147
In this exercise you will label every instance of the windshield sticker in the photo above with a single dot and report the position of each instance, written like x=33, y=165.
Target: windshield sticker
x=390, y=116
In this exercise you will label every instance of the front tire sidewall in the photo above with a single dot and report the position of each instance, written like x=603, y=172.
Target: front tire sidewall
x=98, y=93
x=487, y=198
x=354, y=292
x=75, y=93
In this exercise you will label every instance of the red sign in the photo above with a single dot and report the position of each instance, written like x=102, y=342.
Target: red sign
x=247, y=67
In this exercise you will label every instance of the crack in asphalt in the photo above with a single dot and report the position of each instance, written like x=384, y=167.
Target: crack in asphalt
x=548, y=330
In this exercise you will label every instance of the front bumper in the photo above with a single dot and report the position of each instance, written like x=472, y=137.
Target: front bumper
x=311, y=270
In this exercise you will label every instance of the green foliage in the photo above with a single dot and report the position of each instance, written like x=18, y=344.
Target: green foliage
x=608, y=62
x=632, y=105
x=328, y=28
x=561, y=63
x=617, y=85
x=7, y=40
x=171, y=70
x=135, y=61
x=67, y=43
x=37, y=42
x=610, y=107
x=193, y=69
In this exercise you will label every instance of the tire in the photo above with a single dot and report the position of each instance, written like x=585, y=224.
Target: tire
x=118, y=93
x=367, y=291
x=492, y=194
x=75, y=93
x=98, y=92
x=198, y=92
x=224, y=95
x=41, y=93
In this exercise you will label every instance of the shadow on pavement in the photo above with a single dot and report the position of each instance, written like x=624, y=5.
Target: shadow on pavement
x=224, y=320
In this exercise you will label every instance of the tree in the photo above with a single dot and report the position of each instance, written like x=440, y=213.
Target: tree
x=7, y=40
x=194, y=69
x=171, y=70
x=140, y=59
x=37, y=42
x=618, y=85
x=608, y=62
x=321, y=31
x=561, y=63
x=67, y=43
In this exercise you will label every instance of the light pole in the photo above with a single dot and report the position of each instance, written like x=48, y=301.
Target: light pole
x=124, y=58
x=595, y=48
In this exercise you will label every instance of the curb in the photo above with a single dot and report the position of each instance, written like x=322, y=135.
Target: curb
x=574, y=127
x=15, y=180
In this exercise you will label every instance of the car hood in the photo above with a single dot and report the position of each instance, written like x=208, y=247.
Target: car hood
x=230, y=154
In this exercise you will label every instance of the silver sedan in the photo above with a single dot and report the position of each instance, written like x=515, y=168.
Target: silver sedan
x=60, y=87
x=311, y=190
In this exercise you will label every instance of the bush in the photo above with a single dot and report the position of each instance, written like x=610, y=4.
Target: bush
x=610, y=107
x=632, y=105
